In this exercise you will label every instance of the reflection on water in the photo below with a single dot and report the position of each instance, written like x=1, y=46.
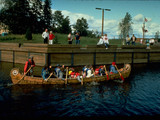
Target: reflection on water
x=138, y=95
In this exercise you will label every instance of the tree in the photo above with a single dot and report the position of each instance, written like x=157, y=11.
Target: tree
x=125, y=27
x=20, y=15
x=47, y=13
x=81, y=26
x=61, y=24
x=157, y=36
x=36, y=9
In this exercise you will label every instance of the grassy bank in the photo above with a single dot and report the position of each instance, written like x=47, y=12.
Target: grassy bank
x=62, y=39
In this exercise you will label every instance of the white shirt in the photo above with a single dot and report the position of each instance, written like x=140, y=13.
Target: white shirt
x=89, y=74
x=45, y=35
x=105, y=39
x=133, y=38
x=127, y=39
x=100, y=41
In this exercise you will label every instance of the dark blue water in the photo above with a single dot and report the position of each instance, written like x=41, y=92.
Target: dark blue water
x=139, y=95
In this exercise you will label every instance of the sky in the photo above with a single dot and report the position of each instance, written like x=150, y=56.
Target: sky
x=138, y=9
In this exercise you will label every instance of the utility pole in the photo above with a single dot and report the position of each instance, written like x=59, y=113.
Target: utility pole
x=103, y=16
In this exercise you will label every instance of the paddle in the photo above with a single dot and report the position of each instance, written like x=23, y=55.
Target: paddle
x=82, y=79
x=106, y=72
x=24, y=75
x=66, y=75
x=49, y=76
x=119, y=73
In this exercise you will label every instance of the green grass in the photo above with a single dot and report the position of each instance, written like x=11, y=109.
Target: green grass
x=62, y=39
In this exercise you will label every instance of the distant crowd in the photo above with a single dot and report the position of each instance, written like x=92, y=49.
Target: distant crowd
x=48, y=37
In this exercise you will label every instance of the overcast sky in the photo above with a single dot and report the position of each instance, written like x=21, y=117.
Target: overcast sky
x=138, y=9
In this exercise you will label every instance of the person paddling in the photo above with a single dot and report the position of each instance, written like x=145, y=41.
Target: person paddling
x=112, y=68
x=58, y=72
x=29, y=63
x=45, y=73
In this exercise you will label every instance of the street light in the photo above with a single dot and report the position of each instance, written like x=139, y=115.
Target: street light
x=103, y=16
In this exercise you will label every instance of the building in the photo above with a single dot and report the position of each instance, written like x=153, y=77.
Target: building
x=3, y=28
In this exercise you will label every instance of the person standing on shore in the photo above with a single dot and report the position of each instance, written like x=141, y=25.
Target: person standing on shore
x=70, y=38
x=127, y=40
x=51, y=37
x=106, y=41
x=45, y=36
x=133, y=39
x=77, y=38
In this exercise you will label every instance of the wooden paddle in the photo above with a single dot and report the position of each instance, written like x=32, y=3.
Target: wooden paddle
x=24, y=75
x=119, y=73
x=82, y=79
x=49, y=76
x=66, y=75
x=106, y=72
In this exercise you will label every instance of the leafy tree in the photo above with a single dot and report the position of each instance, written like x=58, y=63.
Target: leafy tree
x=55, y=40
x=36, y=9
x=47, y=13
x=157, y=36
x=66, y=25
x=57, y=21
x=61, y=24
x=21, y=14
x=81, y=26
x=20, y=17
x=125, y=27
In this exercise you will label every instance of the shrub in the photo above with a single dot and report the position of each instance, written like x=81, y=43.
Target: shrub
x=28, y=34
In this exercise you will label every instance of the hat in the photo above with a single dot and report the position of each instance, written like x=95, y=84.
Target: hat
x=113, y=63
x=30, y=57
x=58, y=65
x=100, y=66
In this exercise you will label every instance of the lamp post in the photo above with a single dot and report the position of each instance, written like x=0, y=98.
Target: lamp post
x=103, y=16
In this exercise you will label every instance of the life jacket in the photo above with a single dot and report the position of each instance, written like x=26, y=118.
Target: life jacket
x=77, y=74
x=29, y=64
x=72, y=74
x=97, y=71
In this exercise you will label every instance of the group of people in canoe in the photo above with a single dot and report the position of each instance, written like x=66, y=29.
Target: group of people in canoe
x=62, y=72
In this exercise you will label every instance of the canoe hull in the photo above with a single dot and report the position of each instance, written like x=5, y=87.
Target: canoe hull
x=16, y=78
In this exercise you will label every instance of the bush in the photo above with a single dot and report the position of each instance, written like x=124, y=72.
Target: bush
x=55, y=40
x=28, y=34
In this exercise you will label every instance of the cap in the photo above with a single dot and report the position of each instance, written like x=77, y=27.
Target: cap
x=113, y=63
x=58, y=65
x=31, y=57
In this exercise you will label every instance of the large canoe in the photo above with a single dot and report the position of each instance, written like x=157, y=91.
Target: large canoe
x=16, y=77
